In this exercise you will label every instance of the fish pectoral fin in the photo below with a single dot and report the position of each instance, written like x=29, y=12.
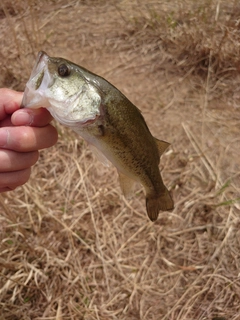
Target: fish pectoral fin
x=162, y=146
x=127, y=185
x=154, y=204
x=100, y=156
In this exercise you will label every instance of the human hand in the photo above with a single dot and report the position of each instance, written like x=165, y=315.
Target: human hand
x=22, y=133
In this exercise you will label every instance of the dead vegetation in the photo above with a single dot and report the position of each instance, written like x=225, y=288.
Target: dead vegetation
x=71, y=246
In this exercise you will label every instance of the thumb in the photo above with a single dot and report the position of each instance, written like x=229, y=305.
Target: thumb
x=31, y=117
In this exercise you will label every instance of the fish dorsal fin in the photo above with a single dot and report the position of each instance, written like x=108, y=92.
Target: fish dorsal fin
x=100, y=156
x=127, y=185
x=162, y=146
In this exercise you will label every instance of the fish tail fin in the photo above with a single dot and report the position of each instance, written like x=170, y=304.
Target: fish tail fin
x=155, y=203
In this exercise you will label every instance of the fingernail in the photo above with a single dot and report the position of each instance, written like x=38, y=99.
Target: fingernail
x=4, y=133
x=24, y=117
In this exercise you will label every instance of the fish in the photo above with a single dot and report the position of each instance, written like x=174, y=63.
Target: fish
x=104, y=117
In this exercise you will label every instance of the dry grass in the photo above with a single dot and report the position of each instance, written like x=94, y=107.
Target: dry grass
x=71, y=246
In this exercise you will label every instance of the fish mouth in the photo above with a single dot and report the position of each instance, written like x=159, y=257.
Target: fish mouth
x=65, y=120
x=40, y=79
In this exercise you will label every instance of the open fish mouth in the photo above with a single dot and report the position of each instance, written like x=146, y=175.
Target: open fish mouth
x=40, y=79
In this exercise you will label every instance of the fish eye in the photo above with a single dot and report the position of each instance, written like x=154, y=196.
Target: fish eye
x=63, y=70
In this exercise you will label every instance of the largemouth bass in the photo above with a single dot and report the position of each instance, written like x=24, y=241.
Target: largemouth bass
x=106, y=119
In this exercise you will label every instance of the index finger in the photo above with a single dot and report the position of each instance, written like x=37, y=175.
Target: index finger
x=27, y=139
x=10, y=101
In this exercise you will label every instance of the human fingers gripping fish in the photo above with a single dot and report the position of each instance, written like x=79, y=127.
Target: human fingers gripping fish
x=106, y=119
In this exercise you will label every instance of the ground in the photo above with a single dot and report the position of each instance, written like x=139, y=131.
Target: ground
x=72, y=247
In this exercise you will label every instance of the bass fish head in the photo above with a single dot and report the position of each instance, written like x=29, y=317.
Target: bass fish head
x=64, y=89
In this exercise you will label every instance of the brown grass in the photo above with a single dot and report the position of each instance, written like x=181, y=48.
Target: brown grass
x=71, y=246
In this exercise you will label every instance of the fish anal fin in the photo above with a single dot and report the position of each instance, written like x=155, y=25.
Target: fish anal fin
x=127, y=185
x=162, y=146
x=99, y=155
x=155, y=204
